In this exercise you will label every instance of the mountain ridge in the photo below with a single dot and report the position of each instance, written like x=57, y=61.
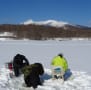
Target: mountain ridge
x=44, y=30
x=53, y=23
x=50, y=22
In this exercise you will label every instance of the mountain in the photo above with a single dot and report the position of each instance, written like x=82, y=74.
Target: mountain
x=52, y=23
x=43, y=30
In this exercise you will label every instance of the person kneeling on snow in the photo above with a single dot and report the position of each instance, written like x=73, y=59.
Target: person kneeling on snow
x=19, y=61
x=32, y=74
x=60, y=67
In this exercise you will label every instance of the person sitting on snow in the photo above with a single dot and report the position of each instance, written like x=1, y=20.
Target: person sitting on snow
x=19, y=61
x=59, y=62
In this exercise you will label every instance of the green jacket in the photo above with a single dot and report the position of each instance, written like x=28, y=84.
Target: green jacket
x=27, y=70
x=60, y=61
x=33, y=69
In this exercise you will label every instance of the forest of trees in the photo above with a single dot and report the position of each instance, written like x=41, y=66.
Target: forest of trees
x=40, y=32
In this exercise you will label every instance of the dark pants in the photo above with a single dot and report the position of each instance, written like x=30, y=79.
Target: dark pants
x=67, y=74
x=32, y=81
x=17, y=69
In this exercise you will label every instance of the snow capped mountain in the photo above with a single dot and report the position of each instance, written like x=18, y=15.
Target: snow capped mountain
x=43, y=30
x=53, y=23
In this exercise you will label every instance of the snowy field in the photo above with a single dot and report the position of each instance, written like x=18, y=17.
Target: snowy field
x=77, y=53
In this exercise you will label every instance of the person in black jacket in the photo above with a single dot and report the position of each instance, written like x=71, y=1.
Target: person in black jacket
x=32, y=74
x=19, y=61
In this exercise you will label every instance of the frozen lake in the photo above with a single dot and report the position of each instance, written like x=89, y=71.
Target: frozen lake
x=77, y=53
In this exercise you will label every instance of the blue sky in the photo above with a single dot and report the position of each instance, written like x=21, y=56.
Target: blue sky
x=72, y=11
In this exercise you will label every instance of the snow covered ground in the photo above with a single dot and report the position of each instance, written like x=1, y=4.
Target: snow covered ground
x=77, y=54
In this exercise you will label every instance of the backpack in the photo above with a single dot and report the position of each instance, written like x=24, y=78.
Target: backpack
x=57, y=72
